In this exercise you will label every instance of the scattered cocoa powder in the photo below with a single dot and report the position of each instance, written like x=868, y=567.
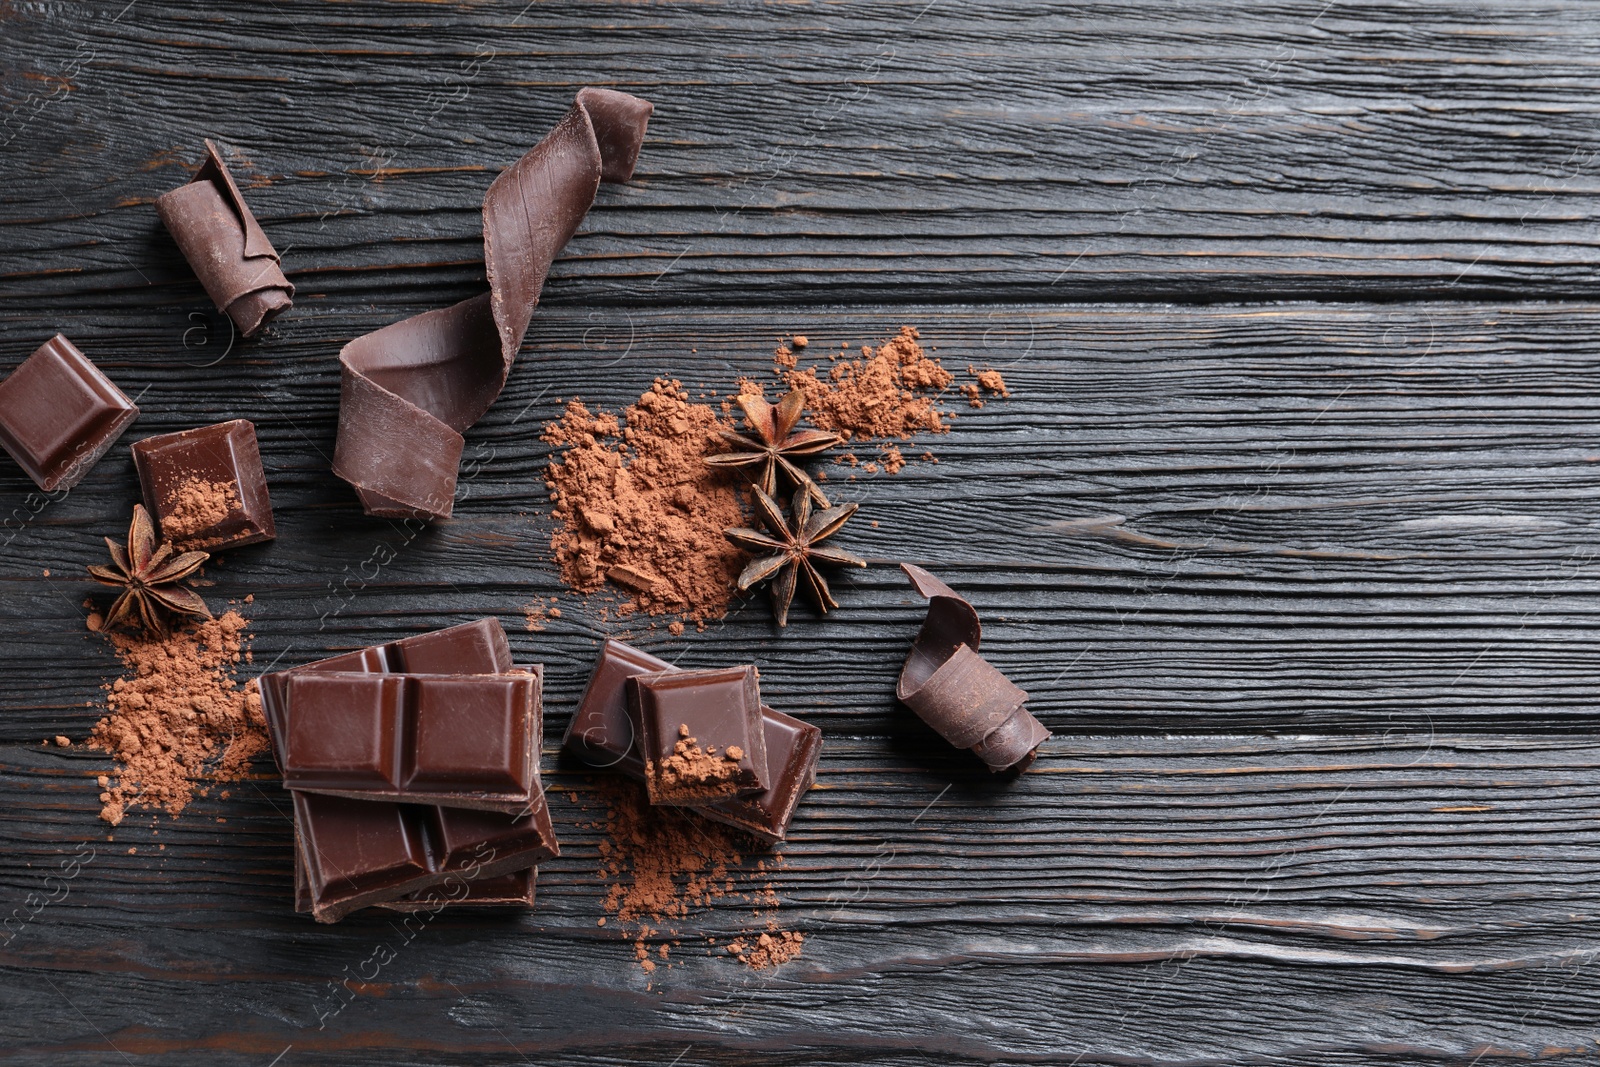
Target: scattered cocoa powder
x=638, y=505
x=768, y=950
x=991, y=381
x=196, y=506
x=178, y=715
x=891, y=391
x=662, y=862
x=988, y=381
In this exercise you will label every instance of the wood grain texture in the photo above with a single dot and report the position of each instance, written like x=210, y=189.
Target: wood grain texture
x=1363, y=526
x=818, y=152
x=1306, y=590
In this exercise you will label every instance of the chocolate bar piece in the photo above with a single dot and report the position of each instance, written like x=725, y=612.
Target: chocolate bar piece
x=514, y=890
x=471, y=648
x=409, y=390
x=225, y=247
x=602, y=733
x=59, y=415
x=206, y=487
x=355, y=853
x=958, y=692
x=702, y=734
x=468, y=741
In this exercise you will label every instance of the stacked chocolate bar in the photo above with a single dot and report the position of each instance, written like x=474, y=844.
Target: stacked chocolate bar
x=414, y=768
x=701, y=740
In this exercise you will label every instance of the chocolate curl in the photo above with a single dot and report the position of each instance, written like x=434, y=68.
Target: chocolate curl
x=956, y=691
x=225, y=247
x=411, y=389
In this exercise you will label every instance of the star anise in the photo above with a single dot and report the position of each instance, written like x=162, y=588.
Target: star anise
x=772, y=443
x=791, y=550
x=147, y=572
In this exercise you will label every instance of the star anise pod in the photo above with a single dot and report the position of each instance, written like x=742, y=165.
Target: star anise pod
x=147, y=572
x=772, y=443
x=791, y=550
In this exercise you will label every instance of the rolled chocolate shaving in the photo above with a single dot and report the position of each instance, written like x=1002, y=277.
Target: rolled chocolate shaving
x=225, y=246
x=412, y=388
x=958, y=692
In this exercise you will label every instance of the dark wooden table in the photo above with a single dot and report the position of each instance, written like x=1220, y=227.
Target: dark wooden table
x=1289, y=528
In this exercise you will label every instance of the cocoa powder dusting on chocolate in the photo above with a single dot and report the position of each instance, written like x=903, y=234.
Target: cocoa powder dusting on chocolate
x=638, y=505
x=692, y=770
x=178, y=716
x=662, y=863
x=196, y=506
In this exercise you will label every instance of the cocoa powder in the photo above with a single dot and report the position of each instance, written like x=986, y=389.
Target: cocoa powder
x=890, y=392
x=692, y=772
x=196, y=506
x=662, y=863
x=178, y=716
x=638, y=505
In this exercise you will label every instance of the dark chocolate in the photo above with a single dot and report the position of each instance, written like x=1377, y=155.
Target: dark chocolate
x=223, y=457
x=471, y=648
x=412, y=388
x=501, y=891
x=355, y=853
x=514, y=890
x=956, y=691
x=701, y=733
x=793, y=748
x=59, y=414
x=225, y=247
x=602, y=733
x=469, y=741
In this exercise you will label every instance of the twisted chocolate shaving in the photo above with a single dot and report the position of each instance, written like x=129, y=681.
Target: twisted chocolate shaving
x=956, y=691
x=412, y=388
x=225, y=247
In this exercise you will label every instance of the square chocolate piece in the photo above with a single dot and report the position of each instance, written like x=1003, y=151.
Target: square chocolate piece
x=59, y=415
x=206, y=487
x=466, y=741
x=350, y=854
x=702, y=733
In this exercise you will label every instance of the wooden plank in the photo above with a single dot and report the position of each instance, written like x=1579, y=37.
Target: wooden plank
x=1365, y=527
x=1364, y=887
x=1216, y=520
x=812, y=153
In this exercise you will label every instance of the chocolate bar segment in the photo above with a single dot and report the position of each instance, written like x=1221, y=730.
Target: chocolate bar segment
x=959, y=693
x=354, y=853
x=471, y=648
x=793, y=748
x=409, y=390
x=59, y=414
x=701, y=733
x=225, y=247
x=514, y=890
x=206, y=487
x=467, y=741
x=603, y=734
